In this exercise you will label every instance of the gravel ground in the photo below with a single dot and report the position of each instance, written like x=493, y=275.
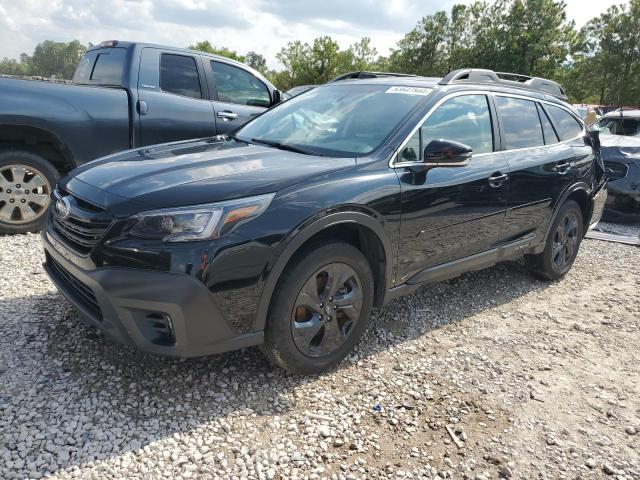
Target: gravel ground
x=490, y=375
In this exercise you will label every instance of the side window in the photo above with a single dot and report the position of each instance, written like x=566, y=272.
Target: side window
x=179, y=75
x=566, y=126
x=465, y=119
x=520, y=122
x=550, y=136
x=235, y=85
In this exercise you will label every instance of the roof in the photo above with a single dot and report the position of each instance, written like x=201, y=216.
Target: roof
x=433, y=82
x=625, y=113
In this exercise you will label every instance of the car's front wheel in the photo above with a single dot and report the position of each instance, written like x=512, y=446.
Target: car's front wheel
x=320, y=309
x=26, y=182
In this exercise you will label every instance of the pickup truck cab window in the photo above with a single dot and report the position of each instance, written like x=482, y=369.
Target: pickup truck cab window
x=567, y=126
x=520, y=123
x=464, y=119
x=179, y=75
x=235, y=85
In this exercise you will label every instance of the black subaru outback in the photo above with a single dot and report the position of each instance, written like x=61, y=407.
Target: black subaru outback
x=287, y=233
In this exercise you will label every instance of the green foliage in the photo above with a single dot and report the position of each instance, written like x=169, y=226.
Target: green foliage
x=206, y=47
x=49, y=59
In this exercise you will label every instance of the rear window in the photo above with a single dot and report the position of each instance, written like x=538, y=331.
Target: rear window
x=179, y=75
x=101, y=67
x=520, y=123
x=566, y=125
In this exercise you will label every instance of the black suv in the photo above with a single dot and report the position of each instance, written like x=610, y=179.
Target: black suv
x=287, y=232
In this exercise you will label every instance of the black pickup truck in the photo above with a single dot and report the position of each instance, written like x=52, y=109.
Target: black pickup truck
x=124, y=95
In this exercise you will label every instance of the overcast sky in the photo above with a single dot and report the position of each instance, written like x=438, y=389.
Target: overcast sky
x=263, y=26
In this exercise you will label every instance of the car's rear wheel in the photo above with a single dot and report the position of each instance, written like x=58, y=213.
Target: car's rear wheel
x=562, y=245
x=26, y=182
x=319, y=309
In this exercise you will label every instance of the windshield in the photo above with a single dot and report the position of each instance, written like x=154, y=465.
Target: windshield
x=619, y=126
x=335, y=120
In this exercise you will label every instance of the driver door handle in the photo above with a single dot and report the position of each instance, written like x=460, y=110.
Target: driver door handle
x=498, y=179
x=227, y=115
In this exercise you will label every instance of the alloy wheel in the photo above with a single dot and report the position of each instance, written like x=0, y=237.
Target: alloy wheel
x=25, y=194
x=326, y=310
x=565, y=241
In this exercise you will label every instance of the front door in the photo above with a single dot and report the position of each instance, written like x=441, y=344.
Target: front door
x=449, y=213
x=173, y=98
x=238, y=96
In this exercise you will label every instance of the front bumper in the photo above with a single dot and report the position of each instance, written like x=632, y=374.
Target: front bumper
x=158, y=312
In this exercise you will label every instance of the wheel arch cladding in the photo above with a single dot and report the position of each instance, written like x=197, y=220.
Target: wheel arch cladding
x=581, y=197
x=355, y=228
x=40, y=142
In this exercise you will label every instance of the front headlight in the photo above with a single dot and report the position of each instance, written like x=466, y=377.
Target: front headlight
x=199, y=222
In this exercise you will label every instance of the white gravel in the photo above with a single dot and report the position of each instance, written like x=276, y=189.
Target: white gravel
x=490, y=375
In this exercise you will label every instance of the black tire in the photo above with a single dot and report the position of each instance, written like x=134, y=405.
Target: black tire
x=339, y=333
x=12, y=219
x=560, y=252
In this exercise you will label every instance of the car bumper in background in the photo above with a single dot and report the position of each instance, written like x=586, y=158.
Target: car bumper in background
x=598, y=204
x=164, y=313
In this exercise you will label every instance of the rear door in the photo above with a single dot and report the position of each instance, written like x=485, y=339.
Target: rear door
x=173, y=98
x=449, y=213
x=540, y=165
x=237, y=95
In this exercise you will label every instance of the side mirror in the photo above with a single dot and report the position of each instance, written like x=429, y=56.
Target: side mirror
x=277, y=97
x=447, y=153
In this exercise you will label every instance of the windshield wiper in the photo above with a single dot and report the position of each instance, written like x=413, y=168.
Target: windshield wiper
x=284, y=146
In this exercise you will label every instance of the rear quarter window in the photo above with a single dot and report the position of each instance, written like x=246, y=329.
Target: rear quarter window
x=566, y=125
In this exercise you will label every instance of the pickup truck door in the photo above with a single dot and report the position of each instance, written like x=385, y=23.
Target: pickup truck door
x=173, y=98
x=236, y=94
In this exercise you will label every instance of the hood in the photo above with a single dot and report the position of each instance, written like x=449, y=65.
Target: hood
x=620, y=148
x=202, y=171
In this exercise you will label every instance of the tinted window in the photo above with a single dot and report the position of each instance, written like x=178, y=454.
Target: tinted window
x=465, y=119
x=566, y=125
x=235, y=85
x=342, y=119
x=108, y=67
x=550, y=136
x=179, y=75
x=520, y=123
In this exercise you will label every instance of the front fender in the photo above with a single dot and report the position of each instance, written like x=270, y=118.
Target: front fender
x=308, y=229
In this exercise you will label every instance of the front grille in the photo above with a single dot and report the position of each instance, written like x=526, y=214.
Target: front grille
x=82, y=293
x=620, y=170
x=84, y=226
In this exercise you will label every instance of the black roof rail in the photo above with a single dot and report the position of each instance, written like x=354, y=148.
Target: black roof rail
x=365, y=74
x=478, y=75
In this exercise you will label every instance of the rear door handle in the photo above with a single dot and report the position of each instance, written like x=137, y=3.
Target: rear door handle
x=498, y=179
x=227, y=115
x=562, y=166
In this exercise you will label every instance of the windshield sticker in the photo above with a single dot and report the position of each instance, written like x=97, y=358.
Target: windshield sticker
x=410, y=90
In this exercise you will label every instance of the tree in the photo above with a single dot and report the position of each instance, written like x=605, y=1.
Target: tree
x=205, y=46
x=256, y=61
x=55, y=59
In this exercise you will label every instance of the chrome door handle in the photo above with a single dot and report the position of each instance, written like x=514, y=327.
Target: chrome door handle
x=497, y=179
x=227, y=115
x=562, y=166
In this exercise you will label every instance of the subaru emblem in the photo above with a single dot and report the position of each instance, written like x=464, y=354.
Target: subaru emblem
x=63, y=207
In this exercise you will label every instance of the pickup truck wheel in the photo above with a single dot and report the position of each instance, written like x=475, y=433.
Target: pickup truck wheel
x=26, y=182
x=562, y=244
x=319, y=309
